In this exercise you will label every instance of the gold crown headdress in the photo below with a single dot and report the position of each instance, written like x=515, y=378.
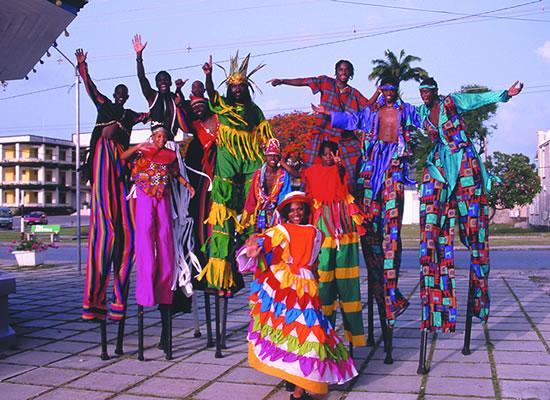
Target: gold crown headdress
x=238, y=74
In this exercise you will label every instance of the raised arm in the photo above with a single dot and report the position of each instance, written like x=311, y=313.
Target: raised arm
x=91, y=88
x=209, y=83
x=471, y=101
x=289, y=82
x=374, y=96
x=292, y=172
x=346, y=120
x=146, y=88
x=133, y=150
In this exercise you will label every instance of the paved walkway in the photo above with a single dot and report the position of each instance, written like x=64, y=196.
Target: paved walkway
x=57, y=356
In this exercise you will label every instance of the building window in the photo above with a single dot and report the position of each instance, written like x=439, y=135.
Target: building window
x=62, y=178
x=8, y=174
x=49, y=176
x=48, y=156
x=9, y=197
x=9, y=152
x=48, y=198
x=62, y=198
x=62, y=155
x=31, y=197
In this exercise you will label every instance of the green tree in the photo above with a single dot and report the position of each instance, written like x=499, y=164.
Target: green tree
x=477, y=120
x=397, y=68
x=519, y=181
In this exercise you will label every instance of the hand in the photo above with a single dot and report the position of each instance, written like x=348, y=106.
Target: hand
x=207, y=67
x=138, y=46
x=320, y=109
x=275, y=82
x=180, y=83
x=252, y=248
x=515, y=89
x=81, y=56
x=336, y=157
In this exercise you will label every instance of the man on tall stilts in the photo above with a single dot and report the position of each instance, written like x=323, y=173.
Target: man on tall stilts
x=336, y=95
x=242, y=132
x=111, y=237
x=386, y=144
x=164, y=109
x=454, y=186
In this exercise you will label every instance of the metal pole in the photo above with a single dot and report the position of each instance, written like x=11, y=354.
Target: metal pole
x=77, y=158
x=78, y=238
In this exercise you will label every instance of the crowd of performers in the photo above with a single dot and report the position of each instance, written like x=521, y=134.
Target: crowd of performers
x=198, y=214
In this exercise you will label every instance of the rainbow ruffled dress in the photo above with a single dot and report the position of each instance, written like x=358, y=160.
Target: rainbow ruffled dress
x=289, y=336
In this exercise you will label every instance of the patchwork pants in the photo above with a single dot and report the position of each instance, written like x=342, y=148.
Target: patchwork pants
x=440, y=207
x=382, y=242
x=111, y=235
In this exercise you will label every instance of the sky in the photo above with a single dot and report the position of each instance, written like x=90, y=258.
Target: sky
x=460, y=43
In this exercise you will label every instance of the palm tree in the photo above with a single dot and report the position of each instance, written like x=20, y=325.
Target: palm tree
x=399, y=69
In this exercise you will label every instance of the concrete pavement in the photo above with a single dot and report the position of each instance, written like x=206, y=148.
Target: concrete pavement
x=57, y=356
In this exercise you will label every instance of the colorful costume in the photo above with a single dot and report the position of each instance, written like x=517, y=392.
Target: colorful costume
x=383, y=175
x=111, y=235
x=154, y=241
x=259, y=209
x=289, y=336
x=242, y=133
x=336, y=215
x=454, y=179
x=335, y=99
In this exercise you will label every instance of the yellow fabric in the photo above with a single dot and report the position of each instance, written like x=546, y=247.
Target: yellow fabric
x=217, y=273
x=328, y=310
x=242, y=144
x=348, y=273
x=344, y=239
x=308, y=385
x=326, y=276
x=358, y=341
x=351, y=306
x=247, y=220
x=219, y=214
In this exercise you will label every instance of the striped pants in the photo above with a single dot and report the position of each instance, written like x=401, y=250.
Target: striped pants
x=339, y=281
x=111, y=235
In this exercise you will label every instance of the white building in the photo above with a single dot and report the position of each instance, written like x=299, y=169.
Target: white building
x=539, y=210
x=38, y=172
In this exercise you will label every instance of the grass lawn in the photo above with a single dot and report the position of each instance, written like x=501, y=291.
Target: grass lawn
x=500, y=235
x=66, y=234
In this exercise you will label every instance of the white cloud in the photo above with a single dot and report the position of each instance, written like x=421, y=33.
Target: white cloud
x=544, y=51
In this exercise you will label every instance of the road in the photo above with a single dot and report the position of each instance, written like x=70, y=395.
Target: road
x=500, y=259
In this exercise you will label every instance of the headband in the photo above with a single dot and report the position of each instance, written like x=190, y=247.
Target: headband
x=387, y=86
x=427, y=87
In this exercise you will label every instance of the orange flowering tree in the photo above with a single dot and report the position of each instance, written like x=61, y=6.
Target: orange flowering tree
x=293, y=131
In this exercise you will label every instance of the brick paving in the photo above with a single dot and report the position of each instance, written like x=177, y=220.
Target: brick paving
x=57, y=354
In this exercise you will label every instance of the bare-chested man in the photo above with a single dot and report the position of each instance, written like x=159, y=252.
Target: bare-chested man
x=386, y=127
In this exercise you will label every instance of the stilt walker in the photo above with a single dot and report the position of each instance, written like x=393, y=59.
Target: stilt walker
x=153, y=169
x=111, y=236
x=386, y=130
x=243, y=131
x=454, y=187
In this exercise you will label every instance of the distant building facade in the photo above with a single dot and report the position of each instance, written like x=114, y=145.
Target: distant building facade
x=539, y=210
x=37, y=172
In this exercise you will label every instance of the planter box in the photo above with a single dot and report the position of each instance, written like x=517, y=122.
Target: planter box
x=28, y=258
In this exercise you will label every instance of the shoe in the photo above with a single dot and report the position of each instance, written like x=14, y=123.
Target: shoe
x=289, y=386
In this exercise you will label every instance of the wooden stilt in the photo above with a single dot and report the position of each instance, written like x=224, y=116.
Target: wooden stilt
x=140, y=333
x=208, y=312
x=103, y=329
